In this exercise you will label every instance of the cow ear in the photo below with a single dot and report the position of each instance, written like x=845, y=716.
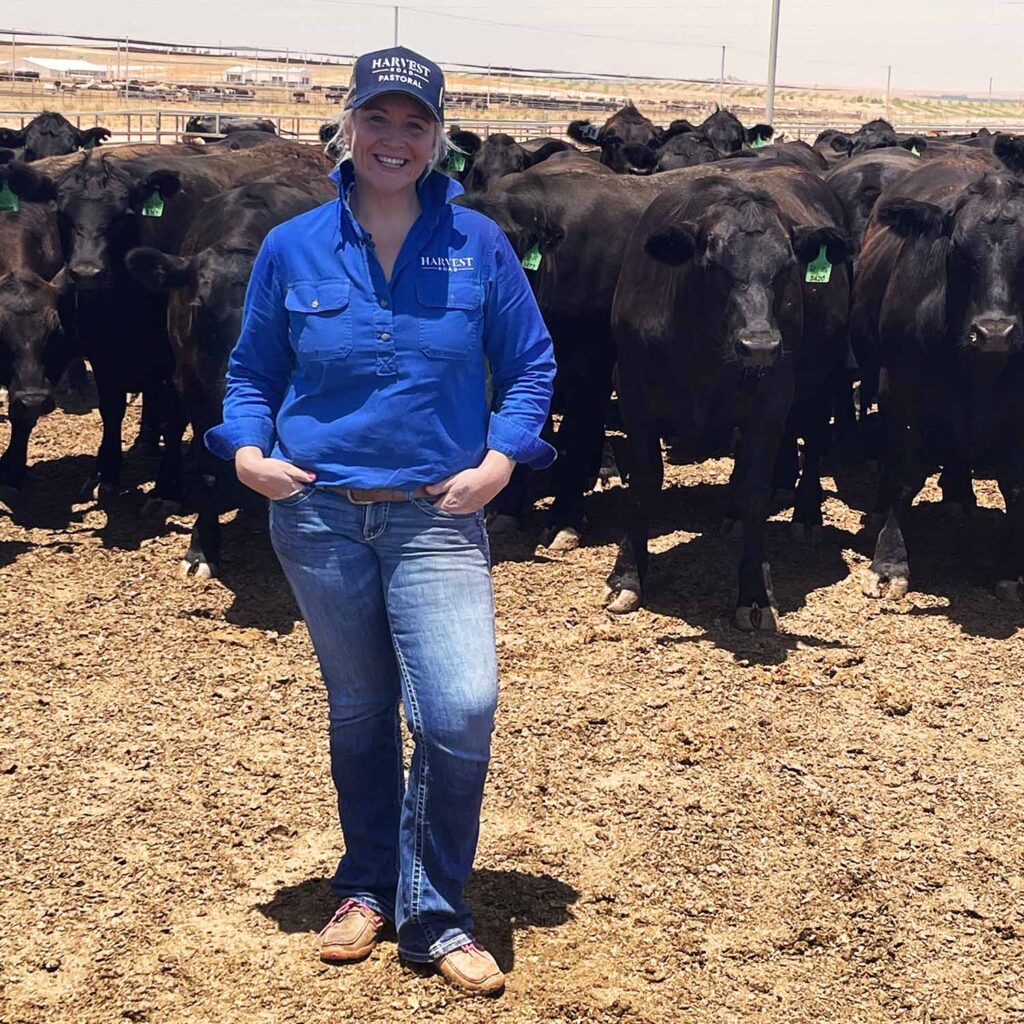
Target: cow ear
x=915, y=142
x=674, y=244
x=468, y=142
x=156, y=271
x=92, y=137
x=583, y=131
x=549, y=148
x=27, y=183
x=911, y=218
x=840, y=143
x=167, y=183
x=12, y=139
x=759, y=131
x=678, y=127
x=1009, y=151
x=807, y=242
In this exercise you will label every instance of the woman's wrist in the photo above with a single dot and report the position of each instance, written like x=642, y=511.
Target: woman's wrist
x=247, y=455
x=499, y=462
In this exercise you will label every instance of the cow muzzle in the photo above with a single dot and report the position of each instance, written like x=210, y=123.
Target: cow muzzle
x=994, y=334
x=32, y=402
x=759, y=348
x=87, y=276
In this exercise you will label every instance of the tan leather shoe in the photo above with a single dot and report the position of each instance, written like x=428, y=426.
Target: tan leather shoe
x=473, y=970
x=351, y=934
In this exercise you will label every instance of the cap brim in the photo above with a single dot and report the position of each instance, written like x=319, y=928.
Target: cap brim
x=405, y=90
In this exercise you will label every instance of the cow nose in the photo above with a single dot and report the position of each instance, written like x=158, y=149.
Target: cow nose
x=86, y=275
x=33, y=401
x=992, y=334
x=759, y=348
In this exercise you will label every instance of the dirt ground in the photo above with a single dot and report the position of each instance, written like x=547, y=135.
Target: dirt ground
x=682, y=823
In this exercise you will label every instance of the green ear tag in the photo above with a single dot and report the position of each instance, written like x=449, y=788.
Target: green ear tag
x=154, y=205
x=915, y=151
x=532, y=259
x=456, y=161
x=758, y=143
x=8, y=200
x=820, y=270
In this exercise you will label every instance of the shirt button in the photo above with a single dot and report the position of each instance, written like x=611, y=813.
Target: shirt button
x=315, y=304
x=385, y=336
x=383, y=303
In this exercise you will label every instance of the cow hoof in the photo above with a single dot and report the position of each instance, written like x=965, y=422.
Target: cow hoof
x=105, y=493
x=806, y=533
x=498, y=523
x=1010, y=591
x=783, y=497
x=756, y=619
x=565, y=539
x=89, y=491
x=731, y=529
x=621, y=603
x=9, y=495
x=160, y=508
x=893, y=587
x=201, y=569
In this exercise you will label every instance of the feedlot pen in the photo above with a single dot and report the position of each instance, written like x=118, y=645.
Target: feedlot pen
x=682, y=822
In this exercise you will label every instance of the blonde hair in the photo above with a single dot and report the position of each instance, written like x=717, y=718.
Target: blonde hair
x=339, y=143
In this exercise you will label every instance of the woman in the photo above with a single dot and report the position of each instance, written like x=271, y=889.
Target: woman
x=357, y=404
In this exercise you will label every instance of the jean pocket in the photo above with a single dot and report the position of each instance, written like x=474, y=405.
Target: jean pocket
x=294, y=499
x=320, y=319
x=431, y=509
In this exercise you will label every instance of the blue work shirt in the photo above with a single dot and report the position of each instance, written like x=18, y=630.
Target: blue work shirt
x=370, y=383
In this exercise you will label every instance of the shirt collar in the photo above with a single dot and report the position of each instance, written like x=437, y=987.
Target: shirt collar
x=434, y=188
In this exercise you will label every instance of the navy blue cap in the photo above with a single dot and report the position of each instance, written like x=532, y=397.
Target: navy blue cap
x=397, y=70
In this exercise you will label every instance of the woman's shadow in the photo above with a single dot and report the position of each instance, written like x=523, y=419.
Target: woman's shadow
x=501, y=901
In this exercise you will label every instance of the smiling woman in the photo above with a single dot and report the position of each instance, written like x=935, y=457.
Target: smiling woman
x=357, y=403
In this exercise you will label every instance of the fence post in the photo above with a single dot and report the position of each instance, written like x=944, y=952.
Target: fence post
x=159, y=124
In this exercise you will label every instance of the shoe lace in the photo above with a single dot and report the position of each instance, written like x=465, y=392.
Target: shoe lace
x=346, y=907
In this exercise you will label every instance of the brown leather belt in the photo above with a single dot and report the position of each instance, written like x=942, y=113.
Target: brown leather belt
x=367, y=496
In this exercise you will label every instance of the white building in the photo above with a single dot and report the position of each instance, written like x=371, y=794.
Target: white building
x=267, y=74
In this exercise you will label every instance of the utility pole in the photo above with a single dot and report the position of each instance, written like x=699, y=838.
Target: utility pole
x=721, y=81
x=773, y=54
x=990, y=97
x=888, y=93
x=396, y=26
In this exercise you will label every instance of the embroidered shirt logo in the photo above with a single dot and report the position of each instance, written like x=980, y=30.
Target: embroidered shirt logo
x=450, y=264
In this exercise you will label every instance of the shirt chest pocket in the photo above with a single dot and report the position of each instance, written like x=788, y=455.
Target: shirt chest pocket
x=450, y=317
x=320, y=319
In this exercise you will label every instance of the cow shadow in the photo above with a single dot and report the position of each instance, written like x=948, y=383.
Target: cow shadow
x=48, y=497
x=501, y=901
x=957, y=560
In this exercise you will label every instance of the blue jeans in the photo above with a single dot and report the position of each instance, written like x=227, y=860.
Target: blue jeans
x=397, y=597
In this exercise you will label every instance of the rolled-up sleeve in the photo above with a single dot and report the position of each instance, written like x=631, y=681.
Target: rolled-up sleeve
x=522, y=361
x=260, y=366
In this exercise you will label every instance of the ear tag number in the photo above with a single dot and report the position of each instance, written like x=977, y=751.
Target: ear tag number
x=532, y=259
x=759, y=142
x=9, y=202
x=820, y=270
x=456, y=161
x=915, y=151
x=153, y=206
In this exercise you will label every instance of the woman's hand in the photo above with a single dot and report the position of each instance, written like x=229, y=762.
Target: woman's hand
x=471, y=489
x=273, y=478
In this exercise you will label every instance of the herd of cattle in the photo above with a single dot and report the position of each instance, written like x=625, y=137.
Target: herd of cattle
x=729, y=290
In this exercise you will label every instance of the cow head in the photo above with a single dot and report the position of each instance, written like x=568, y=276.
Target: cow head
x=51, y=134
x=686, y=150
x=747, y=260
x=627, y=139
x=877, y=134
x=727, y=134
x=30, y=327
x=983, y=240
x=97, y=205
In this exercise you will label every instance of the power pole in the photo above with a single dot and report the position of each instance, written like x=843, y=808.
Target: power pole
x=990, y=97
x=773, y=55
x=721, y=81
x=888, y=93
x=396, y=26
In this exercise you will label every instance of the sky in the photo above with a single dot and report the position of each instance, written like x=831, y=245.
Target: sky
x=945, y=45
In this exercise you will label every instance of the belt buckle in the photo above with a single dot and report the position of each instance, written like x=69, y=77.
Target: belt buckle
x=350, y=493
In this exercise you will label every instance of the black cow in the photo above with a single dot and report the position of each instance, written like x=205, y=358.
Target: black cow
x=687, y=149
x=718, y=332
x=206, y=284
x=861, y=180
x=207, y=124
x=50, y=134
x=34, y=317
x=500, y=154
x=940, y=295
x=726, y=133
x=628, y=140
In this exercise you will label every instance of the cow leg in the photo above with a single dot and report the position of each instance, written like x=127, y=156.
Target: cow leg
x=203, y=555
x=147, y=442
x=752, y=482
x=1010, y=584
x=624, y=586
x=787, y=467
x=13, y=462
x=814, y=417
x=581, y=440
x=106, y=479
x=167, y=496
x=958, y=497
